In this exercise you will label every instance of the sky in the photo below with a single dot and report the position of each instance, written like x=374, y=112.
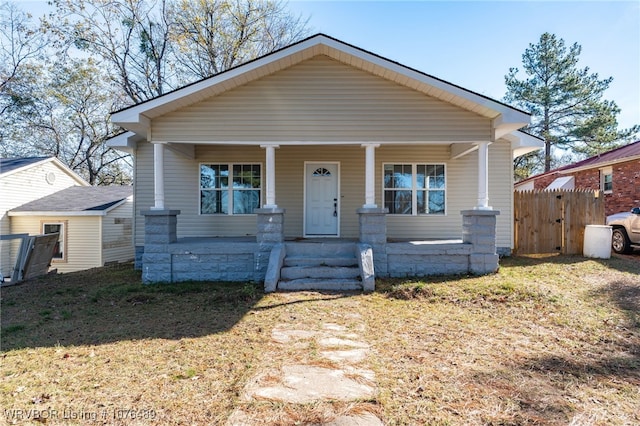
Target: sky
x=474, y=43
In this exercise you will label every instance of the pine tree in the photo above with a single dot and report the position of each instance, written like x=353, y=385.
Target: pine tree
x=566, y=101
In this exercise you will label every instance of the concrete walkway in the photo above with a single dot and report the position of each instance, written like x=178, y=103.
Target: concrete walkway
x=336, y=374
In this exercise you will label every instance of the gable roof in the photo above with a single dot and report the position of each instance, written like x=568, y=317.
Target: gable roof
x=8, y=166
x=621, y=154
x=136, y=118
x=76, y=201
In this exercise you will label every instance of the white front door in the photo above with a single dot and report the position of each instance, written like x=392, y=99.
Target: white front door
x=322, y=206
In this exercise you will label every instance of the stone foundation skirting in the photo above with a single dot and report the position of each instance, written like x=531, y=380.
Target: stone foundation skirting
x=419, y=260
x=211, y=260
x=165, y=259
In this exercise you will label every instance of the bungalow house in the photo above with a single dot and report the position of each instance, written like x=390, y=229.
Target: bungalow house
x=93, y=222
x=23, y=180
x=615, y=173
x=321, y=165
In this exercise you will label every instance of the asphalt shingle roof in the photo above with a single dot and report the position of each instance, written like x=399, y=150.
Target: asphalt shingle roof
x=78, y=198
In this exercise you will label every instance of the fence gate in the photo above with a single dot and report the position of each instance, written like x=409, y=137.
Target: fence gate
x=554, y=221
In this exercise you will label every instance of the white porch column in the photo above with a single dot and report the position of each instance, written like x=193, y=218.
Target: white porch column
x=483, y=176
x=158, y=176
x=270, y=180
x=370, y=175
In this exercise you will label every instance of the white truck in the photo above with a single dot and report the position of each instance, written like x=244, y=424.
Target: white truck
x=626, y=230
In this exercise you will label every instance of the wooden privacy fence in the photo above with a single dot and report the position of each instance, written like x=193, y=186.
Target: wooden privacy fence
x=554, y=221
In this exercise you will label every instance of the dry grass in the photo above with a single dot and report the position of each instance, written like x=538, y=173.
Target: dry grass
x=548, y=340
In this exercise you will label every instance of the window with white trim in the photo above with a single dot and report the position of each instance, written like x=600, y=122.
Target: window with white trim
x=60, y=250
x=414, y=188
x=230, y=188
x=606, y=179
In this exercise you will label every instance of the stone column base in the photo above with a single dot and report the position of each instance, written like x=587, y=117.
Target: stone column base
x=159, y=232
x=270, y=225
x=373, y=231
x=479, y=230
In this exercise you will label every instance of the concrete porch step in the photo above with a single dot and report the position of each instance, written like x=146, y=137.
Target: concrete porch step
x=320, y=284
x=320, y=249
x=320, y=261
x=317, y=271
x=324, y=265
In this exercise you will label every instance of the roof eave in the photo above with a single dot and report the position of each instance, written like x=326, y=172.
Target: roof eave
x=58, y=213
x=523, y=143
x=127, y=142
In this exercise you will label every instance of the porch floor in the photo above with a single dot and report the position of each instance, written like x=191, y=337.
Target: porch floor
x=203, y=241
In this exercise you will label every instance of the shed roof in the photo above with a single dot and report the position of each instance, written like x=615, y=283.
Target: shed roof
x=79, y=200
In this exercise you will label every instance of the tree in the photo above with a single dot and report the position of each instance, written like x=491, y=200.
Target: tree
x=22, y=46
x=69, y=119
x=566, y=102
x=211, y=36
x=129, y=37
x=152, y=47
x=107, y=54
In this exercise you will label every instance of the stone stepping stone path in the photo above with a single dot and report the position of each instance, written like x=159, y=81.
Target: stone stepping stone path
x=338, y=375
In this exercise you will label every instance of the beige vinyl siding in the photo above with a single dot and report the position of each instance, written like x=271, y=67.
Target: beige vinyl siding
x=143, y=187
x=83, y=239
x=461, y=193
x=290, y=169
x=20, y=188
x=117, y=234
x=182, y=188
x=321, y=100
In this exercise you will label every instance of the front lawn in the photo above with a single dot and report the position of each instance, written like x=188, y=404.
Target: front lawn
x=547, y=340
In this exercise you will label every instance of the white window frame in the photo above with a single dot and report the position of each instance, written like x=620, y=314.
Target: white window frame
x=604, y=172
x=230, y=187
x=62, y=237
x=414, y=188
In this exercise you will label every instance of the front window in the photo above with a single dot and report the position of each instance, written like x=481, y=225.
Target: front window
x=606, y=179
x=414, y=188
x=59, y=252
x=230, y=188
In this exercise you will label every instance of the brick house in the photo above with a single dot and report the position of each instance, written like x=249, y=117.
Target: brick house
x=616, y=173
